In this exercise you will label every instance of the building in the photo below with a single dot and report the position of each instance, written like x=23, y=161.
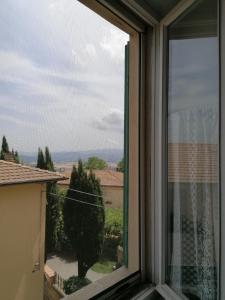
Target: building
x=111, y=184
x=22, y=229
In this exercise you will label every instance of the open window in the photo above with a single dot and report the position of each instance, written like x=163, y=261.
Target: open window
x=173, y=239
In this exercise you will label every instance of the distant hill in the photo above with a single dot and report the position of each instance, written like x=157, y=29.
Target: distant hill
x=109, y=155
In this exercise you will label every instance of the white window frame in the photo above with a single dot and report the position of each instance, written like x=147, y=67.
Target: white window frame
x=130, y=274
x=159, y=169
x=147, y=150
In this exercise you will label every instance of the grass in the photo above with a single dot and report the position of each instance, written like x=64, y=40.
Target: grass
x=103, y=266
x=74, y=283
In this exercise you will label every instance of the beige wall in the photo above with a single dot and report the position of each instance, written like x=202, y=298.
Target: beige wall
x=22, y=219
x=113, y=196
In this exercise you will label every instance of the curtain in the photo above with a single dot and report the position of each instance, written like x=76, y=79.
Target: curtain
x=193, y=202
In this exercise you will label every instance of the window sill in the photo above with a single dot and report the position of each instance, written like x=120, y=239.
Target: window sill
x=101, y=285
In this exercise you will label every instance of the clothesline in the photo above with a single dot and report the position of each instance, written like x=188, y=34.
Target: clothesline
x=79, y=201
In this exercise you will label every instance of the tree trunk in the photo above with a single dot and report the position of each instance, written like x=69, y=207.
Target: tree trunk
x=82, y=269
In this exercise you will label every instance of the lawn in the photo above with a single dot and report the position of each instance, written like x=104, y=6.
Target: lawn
x=103, y=266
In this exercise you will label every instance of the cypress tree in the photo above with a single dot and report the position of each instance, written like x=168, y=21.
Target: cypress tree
x=48, y=160
x=5, y=146
x=16, y=157
x=41, y=164
x=53, y=206
x=5, y=150
x=84, y=221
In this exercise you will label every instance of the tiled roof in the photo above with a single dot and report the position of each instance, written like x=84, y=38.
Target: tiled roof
x=109, y=178
x=192, y=163
x=106, y=177
x=12, y=173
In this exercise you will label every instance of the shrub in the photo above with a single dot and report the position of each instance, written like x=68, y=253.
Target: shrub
x=74, y=283
x=113, y=221
x=113, y=233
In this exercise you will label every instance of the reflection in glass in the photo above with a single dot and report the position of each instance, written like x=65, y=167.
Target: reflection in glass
x=193, y=131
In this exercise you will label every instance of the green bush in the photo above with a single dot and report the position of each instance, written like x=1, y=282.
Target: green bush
x=74, y=283
x=113, y=221
x=61, y=241
x=113, y=233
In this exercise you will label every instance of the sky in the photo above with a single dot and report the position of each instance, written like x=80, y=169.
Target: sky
x=193, y=102
x=61, y=77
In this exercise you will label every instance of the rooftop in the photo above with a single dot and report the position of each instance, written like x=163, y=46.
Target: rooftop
x=12, y=173
x=106, y=177
x=193, y=163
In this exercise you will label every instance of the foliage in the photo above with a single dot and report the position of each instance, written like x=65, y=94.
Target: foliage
x=5, y=150
x=105, y=266
x=113, y=233
x=61, y=241
x=16, y=157
x=48, y=160
x=5, y=146
x=84, y=221
x=54, y=232
x=120, y=166
x=41, y=164
x=95, y=163
x=44, y=161
x=74, y=283
x=113, y=221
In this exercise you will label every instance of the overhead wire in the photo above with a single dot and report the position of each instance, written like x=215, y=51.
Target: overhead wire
x=98, y=196
x=79, y=201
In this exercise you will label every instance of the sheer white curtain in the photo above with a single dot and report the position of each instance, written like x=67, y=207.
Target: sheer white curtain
x=193, y=200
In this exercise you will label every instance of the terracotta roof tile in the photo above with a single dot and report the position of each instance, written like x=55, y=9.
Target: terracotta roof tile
x=193, y=163
x=12, y=173
x=106, y=177
x=109, y=178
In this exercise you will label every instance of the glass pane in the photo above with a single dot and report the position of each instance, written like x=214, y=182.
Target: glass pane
x=193, y=153
x=62, y=109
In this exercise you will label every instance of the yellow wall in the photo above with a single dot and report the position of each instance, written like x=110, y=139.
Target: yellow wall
x=113, y=195
x=22, y=222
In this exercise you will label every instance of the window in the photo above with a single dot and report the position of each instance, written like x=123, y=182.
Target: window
x=62, y=88
x=174, y=234
x=193, y=153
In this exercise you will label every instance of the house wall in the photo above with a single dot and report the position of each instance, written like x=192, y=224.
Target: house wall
x=22, y=222
x=113, y=196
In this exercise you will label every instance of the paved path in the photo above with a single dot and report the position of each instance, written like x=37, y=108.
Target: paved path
x=67, y=267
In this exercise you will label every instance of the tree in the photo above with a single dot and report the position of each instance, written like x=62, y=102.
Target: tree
x=14, y=156
x=5, y=146
x=120, y=165
x=41, y=163
x=53, y=205
x=48, y=160
x=52, y=218
x=95, y=163
x=84, y=220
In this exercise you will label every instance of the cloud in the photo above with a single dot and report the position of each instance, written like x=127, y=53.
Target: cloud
x=56, y=74
x=114, y=43
x=113, y=121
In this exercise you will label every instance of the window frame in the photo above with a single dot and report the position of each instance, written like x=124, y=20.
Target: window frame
x=161, y=150
x=222, y=144
x=147, y=156
x=109, y=285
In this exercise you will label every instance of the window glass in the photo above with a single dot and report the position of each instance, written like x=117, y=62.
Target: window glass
x=62, y=108
x=193, y=153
